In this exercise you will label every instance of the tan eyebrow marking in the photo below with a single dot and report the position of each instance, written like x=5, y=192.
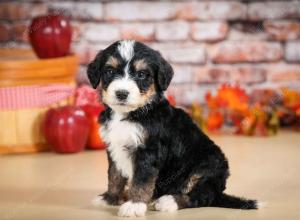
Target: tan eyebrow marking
x=112, y=61
x=140, y=65
x=146, y=97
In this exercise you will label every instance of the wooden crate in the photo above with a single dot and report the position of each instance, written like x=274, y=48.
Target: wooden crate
x=20, y=129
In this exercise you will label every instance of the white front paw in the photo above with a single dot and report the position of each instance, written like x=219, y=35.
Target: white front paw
x=129, y=209
x=166, y=203
x=99, y=201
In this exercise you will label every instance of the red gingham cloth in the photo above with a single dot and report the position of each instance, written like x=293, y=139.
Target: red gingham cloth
x=22, y=97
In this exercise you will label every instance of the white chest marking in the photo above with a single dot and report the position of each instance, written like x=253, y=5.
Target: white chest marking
x=122, y=137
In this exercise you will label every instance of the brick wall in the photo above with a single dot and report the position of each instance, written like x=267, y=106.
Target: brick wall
x=254, y=43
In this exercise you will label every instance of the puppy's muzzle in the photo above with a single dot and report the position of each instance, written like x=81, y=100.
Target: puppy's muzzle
x=122, y=95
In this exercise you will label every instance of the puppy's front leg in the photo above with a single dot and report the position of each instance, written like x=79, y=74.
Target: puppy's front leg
x=115, y=190
x=142, y=184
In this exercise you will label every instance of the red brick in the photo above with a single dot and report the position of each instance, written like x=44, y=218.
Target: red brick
x=284, y=72
x=182, y=53
x=77, y=31
x=248, y=75
x=20, y=31
x=64, y=8
x=218, y=75
x=209, y=31
x=146, y=10
x=244, y=74
x=201, y=75
x=96, y=48
x=183, y=74
x=102, y=32
x=12, y=11
x=175, y=30
x=292, y=51
x=274, y=10
x=83, y=52
x=138, y=31
x=15, y=32
x=283, y=30
x=227, y=10
x=87, y=52
x=81, y=77
x=209, y=74
x=142, y=10
x=247, y=31
x=238, y=35
x=252, y=51
x=5, y=32
x=186, y=94
x=19, y=11
x=79, y=10
x=38, y=9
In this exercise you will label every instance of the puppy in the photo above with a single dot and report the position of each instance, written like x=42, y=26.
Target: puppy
x=154, y=149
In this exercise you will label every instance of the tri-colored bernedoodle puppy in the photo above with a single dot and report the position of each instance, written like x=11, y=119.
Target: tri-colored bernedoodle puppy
x=154, y=149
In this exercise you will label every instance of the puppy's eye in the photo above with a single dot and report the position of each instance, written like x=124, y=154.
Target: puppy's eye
x=109, y=71
x=141, y=74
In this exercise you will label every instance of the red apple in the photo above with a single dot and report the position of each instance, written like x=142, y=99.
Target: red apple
x=94, y=140
x=50, y=36
x=66, y=129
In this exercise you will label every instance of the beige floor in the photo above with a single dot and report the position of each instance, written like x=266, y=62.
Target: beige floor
x=51, y=186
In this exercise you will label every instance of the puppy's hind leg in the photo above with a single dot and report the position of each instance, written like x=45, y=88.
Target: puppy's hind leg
x=209, y=193
x=171, y=203
x=188, y=198
x=203, y=193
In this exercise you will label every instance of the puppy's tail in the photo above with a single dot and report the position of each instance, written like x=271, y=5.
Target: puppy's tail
x=228, y=201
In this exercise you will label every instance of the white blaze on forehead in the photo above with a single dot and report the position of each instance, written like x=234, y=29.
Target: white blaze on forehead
x=126, y=50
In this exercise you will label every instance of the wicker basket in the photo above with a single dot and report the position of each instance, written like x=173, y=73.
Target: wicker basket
x=20, y=129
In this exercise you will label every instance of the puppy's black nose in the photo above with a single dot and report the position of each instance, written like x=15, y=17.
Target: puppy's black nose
x=122, y=94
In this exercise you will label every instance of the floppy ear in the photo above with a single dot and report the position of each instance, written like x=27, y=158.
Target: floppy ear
x=165, y=73
x=94, y=70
